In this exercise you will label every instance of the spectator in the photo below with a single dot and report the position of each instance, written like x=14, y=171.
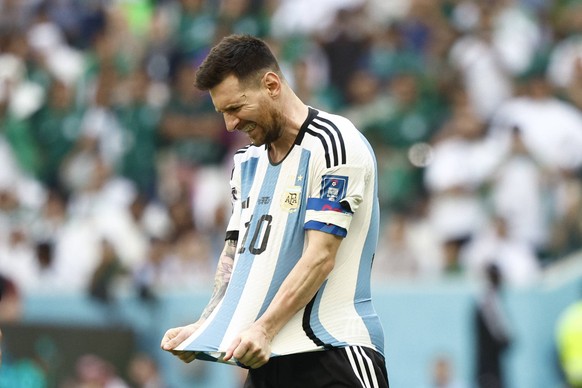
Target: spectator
x=102, y=284
x=480, y=68
x=443, y=373
x=144, y=372
x=396, y=257
x=345, y=43
x=139, y=120
x=462, y=160
x=93, y=371
x=518, y=191
x=189, y=127
x=56, y=129
x=534, y=113
x=492, y=333
x=515, y=258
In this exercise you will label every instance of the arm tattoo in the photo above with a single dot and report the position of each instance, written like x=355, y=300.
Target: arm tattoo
x=222, y=276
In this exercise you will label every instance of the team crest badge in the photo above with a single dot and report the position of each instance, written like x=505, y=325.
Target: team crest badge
x=291, y=199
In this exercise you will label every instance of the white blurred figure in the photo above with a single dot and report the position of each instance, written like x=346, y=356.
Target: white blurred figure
x=190, y=265
x=476, y=59
x=98, y=208
x=499, y=42
x=395, y=258
x=104, y=191
x=18, y=260
x=515, y=258
x=519, y=194
x=100, y=124
x=76, y=255
x=382, y=11
x=551, y=129
x=21, y=199
x=462, y=161
x=155, y=274
x=306, y=17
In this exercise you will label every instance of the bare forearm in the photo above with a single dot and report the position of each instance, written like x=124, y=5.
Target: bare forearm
x=221, y=278
x=300, y=286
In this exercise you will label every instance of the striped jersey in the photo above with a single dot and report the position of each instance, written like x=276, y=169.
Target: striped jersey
x=327, y=182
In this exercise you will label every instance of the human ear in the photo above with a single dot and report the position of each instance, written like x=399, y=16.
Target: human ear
x=272, y=84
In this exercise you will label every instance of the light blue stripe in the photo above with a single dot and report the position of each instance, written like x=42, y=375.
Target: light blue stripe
x=363, y=299
x=248, y=171
x=294, y=235
x=318, y=330
x=212, y=336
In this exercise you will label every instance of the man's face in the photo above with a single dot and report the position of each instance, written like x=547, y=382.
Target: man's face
x=248, y=109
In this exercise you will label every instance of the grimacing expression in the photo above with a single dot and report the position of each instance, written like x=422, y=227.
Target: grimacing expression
x=247, y=109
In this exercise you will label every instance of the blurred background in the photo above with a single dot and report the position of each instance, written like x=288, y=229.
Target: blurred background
x=114, y=174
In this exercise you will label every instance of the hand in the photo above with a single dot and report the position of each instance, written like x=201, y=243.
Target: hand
x=251, y=348
x=175, y=337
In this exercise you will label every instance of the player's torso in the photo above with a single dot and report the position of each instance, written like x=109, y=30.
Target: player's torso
x=273, y=200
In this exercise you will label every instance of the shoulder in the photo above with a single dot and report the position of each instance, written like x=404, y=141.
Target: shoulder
x=334, y=137
x=330, y=120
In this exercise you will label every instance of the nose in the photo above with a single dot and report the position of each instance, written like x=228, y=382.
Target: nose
x=231, y=122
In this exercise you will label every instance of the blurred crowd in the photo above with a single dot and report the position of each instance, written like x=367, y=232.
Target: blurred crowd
x=114, y=169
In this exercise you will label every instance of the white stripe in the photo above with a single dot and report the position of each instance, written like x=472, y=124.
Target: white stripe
x=362, y=367
x=373, y=376
x=336, y=135
x=330, y=140
x=354, y=367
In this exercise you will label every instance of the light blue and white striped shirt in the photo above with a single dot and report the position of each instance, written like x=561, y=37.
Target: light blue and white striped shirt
x=327, y=182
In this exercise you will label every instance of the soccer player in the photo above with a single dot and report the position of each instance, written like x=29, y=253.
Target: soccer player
x=292, y=298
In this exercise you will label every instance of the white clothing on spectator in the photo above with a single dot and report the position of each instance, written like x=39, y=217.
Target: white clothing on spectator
x=563, y=59
x=488, y=85
x=458, y=169
x=516, y=259
x=551, y=130
x=518, y=196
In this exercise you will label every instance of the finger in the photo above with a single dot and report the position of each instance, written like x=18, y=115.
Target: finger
x=168, y=337
x=248, y=358
x=165, y=339
x=176, y=340
x=230, y=351
x=255, y=359
x=243, y=352
x=188, y=357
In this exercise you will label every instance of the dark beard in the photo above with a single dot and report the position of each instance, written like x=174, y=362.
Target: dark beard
x=275, y=128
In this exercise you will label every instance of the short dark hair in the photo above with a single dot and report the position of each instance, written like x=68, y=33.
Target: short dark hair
x=243, y=56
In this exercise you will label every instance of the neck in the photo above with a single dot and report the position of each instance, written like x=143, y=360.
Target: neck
x=294, y=114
